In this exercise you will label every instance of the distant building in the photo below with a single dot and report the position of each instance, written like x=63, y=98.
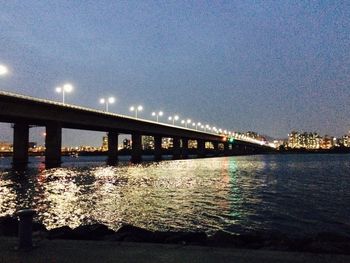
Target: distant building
x=192, y=144
x=345, y=141
x=311, y=141
x=104, y=143
x=5, y=147
x=167, y=143
x=126, y=144
x=147, y=142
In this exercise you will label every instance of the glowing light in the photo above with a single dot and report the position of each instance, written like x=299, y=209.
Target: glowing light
x=63, y=89
x=136, y=109
x=107, y=101
x=157, y=115
x=3, y=70
x=68, y=87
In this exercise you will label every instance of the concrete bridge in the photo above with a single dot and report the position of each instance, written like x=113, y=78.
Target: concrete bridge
x=24, y=111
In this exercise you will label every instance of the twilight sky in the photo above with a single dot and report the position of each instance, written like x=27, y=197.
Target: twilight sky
x=266, y=66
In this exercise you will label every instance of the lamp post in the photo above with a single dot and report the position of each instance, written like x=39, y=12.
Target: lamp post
x=3, y=70
x=136, y=109
x=198, y=124
x=173, y=118
x=159, y=114
x=108, y=101
x=186, y=122
x=63, y=89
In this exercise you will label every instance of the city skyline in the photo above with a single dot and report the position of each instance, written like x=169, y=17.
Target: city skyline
x=264, y=67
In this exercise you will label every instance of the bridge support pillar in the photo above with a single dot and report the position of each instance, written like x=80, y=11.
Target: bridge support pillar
x=112, y=148
x=201, y=148
x=157, y=148
x=226, y=149
x=176, y=148
x=216, y=148
x=184, y=150
x=53, y=142
x=20, y=145
x=136, y=150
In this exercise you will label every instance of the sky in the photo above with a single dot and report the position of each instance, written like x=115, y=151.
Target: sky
x=264, y=66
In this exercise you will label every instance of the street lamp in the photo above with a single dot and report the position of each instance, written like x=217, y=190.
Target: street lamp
x=3, y=70
x=198, y=124
x=159, y=114
x=173, y=118
x=186, y=122
x=136, y=109
x=65, y=88
x=110, y=100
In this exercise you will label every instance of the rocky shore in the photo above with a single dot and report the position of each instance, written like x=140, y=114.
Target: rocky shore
x=319, y=243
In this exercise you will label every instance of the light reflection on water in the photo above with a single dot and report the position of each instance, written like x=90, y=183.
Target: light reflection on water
x=287, y=193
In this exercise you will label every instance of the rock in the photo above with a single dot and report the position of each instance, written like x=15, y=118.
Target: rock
x=64, y=232
x=8, y=226
x=91, y=232
x=131, y=233
x=39, y=227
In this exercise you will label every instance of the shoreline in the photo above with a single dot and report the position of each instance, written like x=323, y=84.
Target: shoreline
x=320, y=243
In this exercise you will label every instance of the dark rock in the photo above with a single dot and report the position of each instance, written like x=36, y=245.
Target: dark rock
x=131, y=233
x=64, y=232
x=8, y=226
x=91, y=232
x=39, y=227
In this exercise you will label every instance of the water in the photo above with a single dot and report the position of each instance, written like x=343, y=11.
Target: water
x=292, y=194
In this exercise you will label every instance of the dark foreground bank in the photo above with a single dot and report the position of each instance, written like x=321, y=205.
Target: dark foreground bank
x=62, y=251
x=325, y=243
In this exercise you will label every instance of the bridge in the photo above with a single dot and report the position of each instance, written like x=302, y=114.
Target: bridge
x=25, y=111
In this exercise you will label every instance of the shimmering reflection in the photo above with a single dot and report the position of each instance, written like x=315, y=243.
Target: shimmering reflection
x=286, y=193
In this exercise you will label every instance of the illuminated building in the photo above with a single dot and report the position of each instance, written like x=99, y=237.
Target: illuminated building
x=147, y=142
x=5, y=147
x=192, y=144
x=126, y=144
x=167, y=143
x=104, y=143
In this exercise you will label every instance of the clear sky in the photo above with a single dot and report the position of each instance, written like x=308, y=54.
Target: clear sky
x=266, y=66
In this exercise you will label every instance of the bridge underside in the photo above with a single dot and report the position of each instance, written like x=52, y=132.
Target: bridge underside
x=24, y=112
